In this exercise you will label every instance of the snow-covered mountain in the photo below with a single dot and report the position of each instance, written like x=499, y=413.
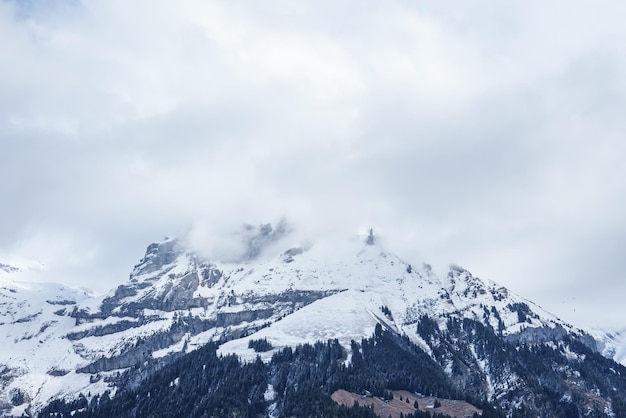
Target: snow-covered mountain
x=59, y=342
x=34, y=353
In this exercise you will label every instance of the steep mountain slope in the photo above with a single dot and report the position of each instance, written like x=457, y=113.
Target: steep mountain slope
x=33, y=352
x=613, y=343
x=176, y=301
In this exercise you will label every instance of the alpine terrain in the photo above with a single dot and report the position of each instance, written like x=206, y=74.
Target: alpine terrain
x=328, y=329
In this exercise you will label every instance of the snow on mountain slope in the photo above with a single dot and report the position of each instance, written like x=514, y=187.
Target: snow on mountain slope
x=614, y=344
x=372, y=279
x=32, y=353
x=63, y=342
x=342, y=316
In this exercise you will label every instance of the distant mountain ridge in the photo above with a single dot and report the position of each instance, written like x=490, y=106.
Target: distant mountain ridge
x=177, y=301
x=8, y=269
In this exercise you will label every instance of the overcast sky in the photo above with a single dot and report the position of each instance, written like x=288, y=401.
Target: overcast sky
x=486, y=134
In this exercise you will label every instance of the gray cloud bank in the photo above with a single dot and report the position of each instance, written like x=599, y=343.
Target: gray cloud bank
x=488, y=135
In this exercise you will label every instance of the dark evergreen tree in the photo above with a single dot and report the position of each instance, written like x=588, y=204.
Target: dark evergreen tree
x=261, y=345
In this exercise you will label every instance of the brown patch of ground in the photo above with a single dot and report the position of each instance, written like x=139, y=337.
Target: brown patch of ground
x=393, y=408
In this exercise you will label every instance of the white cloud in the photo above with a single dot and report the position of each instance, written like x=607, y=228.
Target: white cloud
x=489, y=136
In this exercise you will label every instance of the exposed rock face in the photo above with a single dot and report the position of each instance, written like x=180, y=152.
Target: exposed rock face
x=157, y=256
x=258, y=238
x=171, y=280
x=176, y=294
x=139, y=353
x=545, y=335
x=101, y=330
x=244, y=320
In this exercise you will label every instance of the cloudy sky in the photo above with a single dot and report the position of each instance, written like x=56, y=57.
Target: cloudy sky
x=487, y=134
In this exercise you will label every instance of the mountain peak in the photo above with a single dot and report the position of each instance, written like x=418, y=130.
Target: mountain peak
x=256, y=238
x=158, y=254
x=370, y=240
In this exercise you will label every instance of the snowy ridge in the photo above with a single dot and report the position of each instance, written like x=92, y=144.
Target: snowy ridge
x=613, y=344
x=176, y=301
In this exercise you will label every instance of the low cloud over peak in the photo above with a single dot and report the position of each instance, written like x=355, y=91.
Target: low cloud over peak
x=489, y=136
